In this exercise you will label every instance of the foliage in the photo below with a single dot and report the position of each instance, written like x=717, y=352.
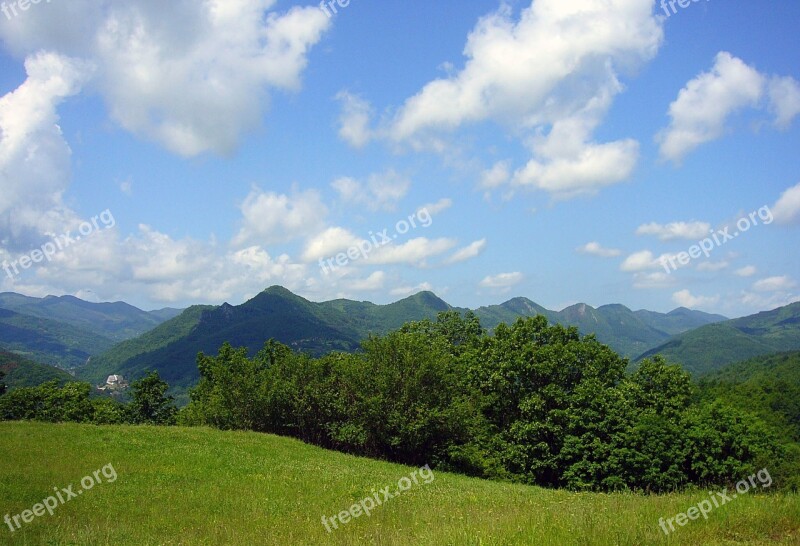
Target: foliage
x=149, y=402
x=532, y=403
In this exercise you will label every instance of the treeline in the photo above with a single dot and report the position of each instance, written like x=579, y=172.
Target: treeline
x=531, y=403
x=73, y=402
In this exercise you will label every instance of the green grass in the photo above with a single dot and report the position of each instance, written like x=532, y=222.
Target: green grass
x=201, y=486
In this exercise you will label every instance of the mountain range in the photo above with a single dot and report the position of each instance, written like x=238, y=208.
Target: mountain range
x=317, y=328
x=97, y=340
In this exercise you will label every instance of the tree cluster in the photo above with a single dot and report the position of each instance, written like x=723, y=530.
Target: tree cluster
x=532, y=403
x=73, y=403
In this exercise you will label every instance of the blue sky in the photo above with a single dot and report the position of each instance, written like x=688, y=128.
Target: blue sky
x=561, y=151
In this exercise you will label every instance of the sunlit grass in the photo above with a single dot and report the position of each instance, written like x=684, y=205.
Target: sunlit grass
x=201, y=486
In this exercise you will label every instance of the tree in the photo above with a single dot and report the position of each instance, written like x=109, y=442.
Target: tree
x=2, y=384
x=150, y=403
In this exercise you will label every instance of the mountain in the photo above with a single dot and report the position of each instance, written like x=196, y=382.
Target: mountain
x=116, y=321
x=709, y=348
x=627, y=332
x=277, y=313
x=48, y=341
x=21, y=372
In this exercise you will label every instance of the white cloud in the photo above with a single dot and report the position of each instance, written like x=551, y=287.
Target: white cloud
x=328, y=243
x=193, y=76
x=640, y=261
x=551, y=73
x=415, y=252
x=713, y=266
x=702, y=108
x=503, y=281
x=787, y=209
x=34, y=157
x=495, y=177
x=354, y=120
x=381, y=192
x=774, y=284
x=746, y=271
x=271, y=218
x=784, y=96
x=684, y=298
x=658, y=279
x=435, y=208
x=404, y=291
x=126, y=187
x=596, y=249
x=676, y=230
x=372, y=283
x=467, y=253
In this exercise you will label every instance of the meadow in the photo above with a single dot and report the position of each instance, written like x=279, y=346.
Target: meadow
x=202, y=486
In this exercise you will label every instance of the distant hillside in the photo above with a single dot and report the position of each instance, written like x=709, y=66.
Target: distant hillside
x=712, y=347
x=627, y=332
x=21, y=372
x=116, y=321
x=276, y=313
x=767, y=385
x=48, y=341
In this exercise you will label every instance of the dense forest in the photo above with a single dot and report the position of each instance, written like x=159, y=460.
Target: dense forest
x=530, y=403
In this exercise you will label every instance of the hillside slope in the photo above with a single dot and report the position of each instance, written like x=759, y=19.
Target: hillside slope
x=116, y=321
x=714, y=346
x=21, y=372
x=48, y=341
x=201, y=486
x=276, y=313
x=627, y=332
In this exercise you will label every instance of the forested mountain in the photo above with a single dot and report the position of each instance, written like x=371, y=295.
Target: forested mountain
x=341, y=325
x=116, y=321
x=712, y=347
x=276, y=313
x=21, y=372
x=48, y=341
x=627, y=332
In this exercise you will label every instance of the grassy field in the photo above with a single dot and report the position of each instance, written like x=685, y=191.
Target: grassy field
x=200, y=486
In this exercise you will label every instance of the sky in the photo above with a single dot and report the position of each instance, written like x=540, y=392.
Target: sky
x=596, y=151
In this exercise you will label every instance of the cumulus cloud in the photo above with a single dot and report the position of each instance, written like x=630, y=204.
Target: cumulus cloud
x=354, y=120
x=502, y=281
x=639, y=261
x=713, y=266
x=382, y=191
x=746, y=271
x=684, y=298
x=676, y=230
x=467, y=253
x=552, y=74
x=192, y=76
x=774, y=284
x=596, y=249
x=34, y=157
x=784, y=96
x=435, y=208
x=403, y=291
x=272, y=218
x=415, y=252
x=701, y=111
x=787, y=209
